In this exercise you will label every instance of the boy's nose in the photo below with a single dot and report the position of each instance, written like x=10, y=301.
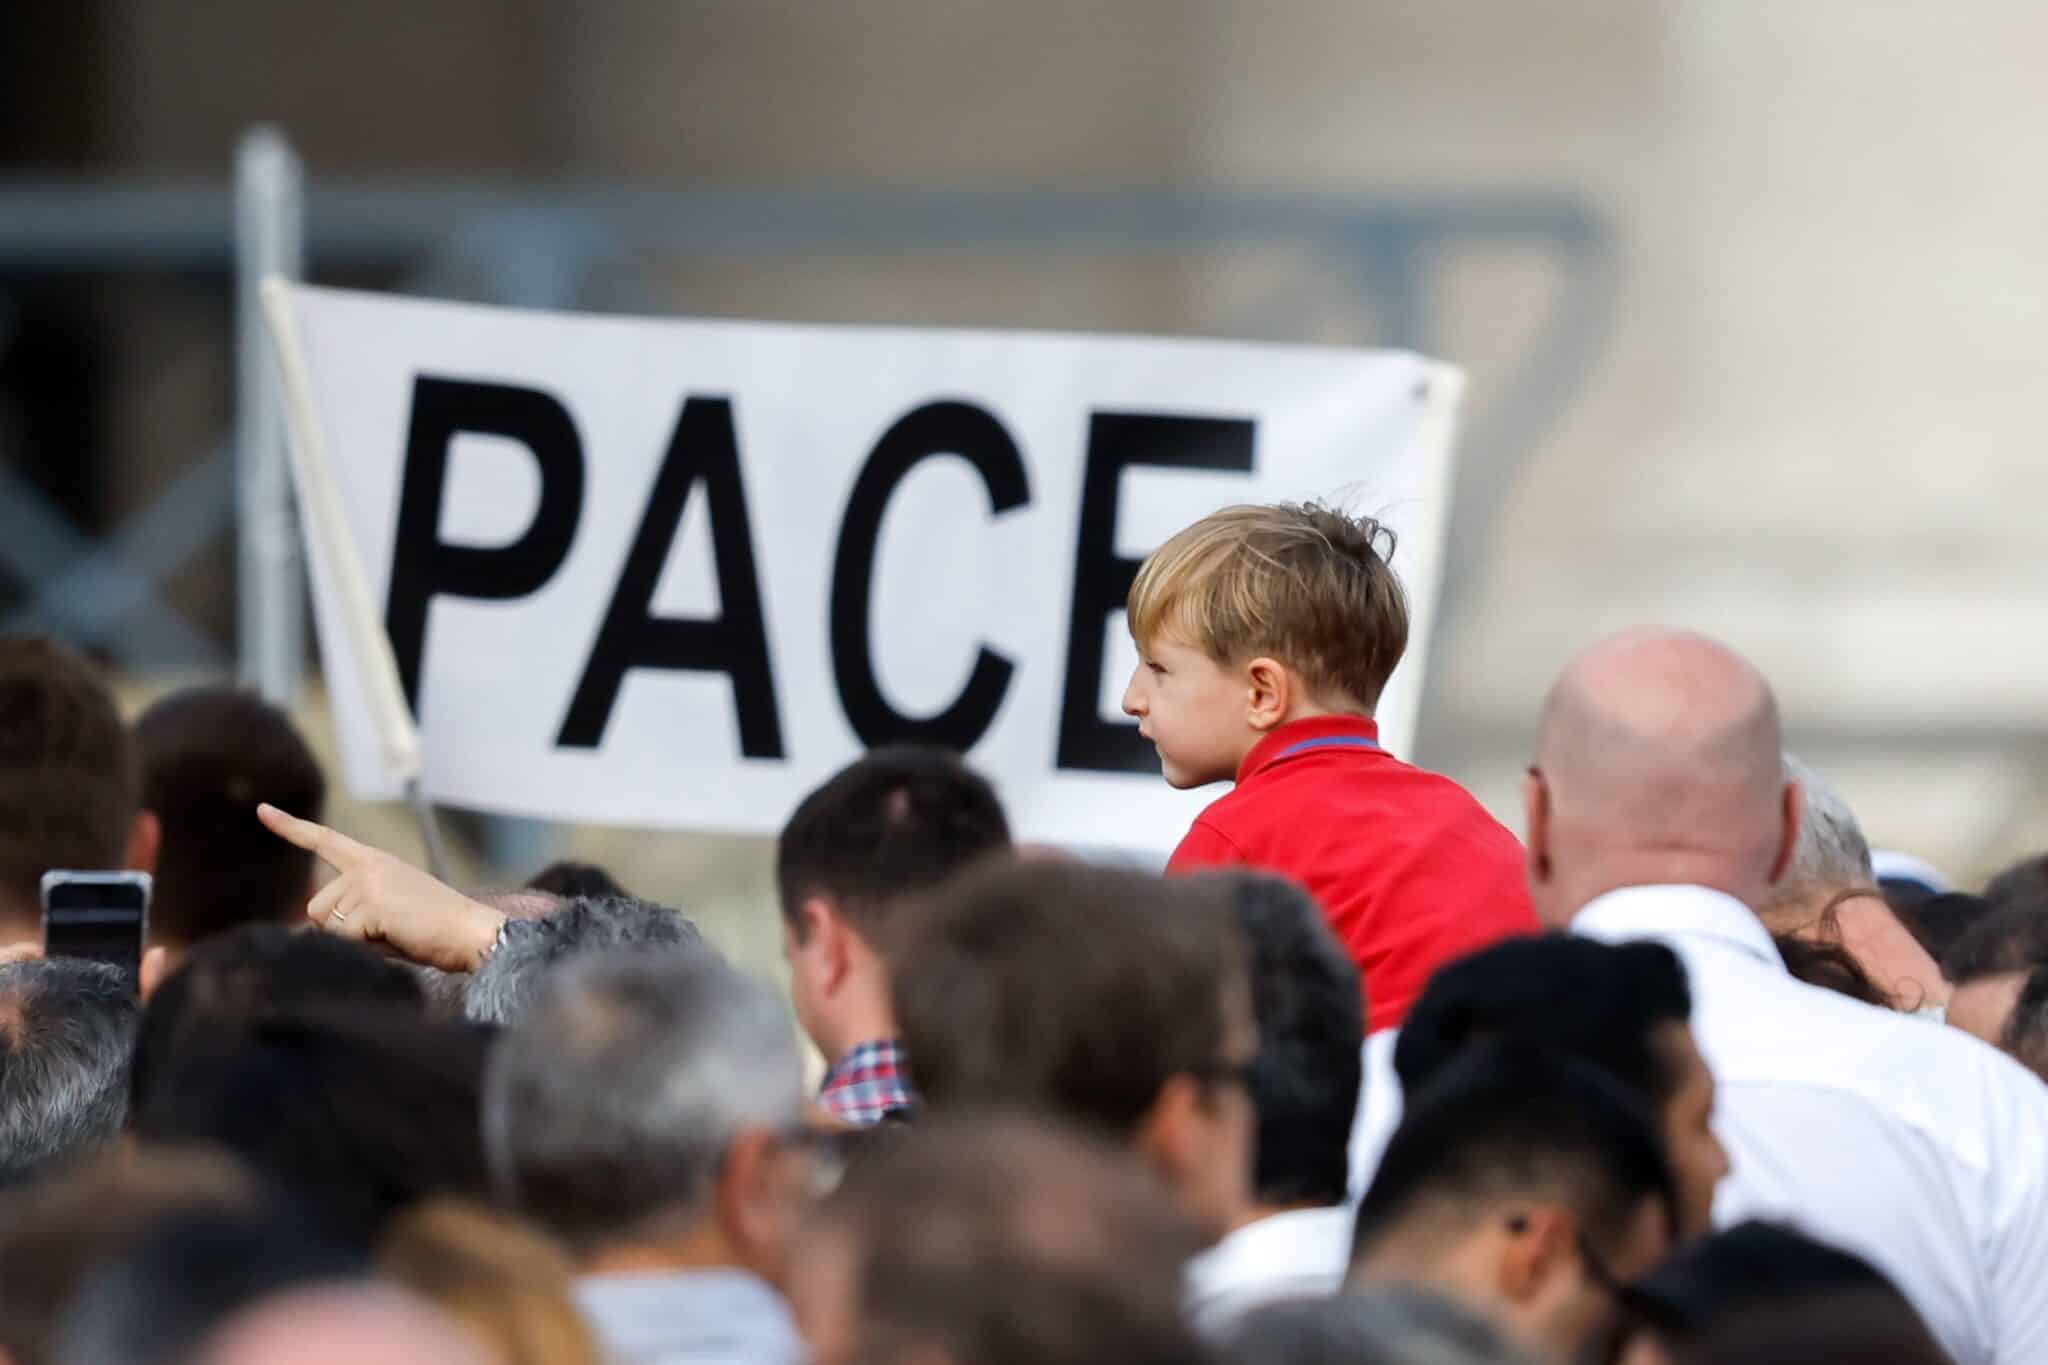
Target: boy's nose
x=1134, y=705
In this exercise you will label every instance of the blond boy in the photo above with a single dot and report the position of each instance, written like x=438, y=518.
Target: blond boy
x=1265, y=637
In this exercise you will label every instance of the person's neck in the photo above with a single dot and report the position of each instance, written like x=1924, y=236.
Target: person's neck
x=865, y=1021
x=1620, y=870
x=701, y=1245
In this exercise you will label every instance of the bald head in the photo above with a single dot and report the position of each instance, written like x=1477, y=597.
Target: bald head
x=344, y=1325
x=1659, y=759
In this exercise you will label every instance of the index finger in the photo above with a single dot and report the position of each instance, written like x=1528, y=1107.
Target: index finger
x=330, y=846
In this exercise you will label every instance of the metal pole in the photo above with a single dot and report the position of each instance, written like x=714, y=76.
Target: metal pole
x=269, y=239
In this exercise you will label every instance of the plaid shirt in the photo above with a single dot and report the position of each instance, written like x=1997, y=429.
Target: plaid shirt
x=869, y=1083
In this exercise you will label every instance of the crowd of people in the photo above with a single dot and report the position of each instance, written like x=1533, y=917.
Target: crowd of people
x=1672, y=1078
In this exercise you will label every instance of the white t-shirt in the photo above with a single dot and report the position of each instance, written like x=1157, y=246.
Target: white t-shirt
x=1302, y=1254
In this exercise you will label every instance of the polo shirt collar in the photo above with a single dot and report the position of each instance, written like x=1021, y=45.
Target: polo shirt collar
x=1340, y=731
x=1687, y=913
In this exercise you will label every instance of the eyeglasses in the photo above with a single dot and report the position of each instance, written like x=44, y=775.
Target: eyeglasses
x=1220, y=1073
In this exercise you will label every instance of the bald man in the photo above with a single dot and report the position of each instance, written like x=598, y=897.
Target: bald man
x=1658, y=807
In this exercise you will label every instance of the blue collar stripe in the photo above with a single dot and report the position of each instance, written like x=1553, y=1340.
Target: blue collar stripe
x=1328, y=742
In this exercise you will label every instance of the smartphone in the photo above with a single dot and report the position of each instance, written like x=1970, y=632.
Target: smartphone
x=100, y=916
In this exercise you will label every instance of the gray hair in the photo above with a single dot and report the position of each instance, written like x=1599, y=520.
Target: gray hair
x=510, y=980
x=1832, y=853
x=1394, y=1326
x=612, y=1103
x=67, y=1029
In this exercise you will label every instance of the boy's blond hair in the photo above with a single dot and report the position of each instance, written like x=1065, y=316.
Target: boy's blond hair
x=1300, y=582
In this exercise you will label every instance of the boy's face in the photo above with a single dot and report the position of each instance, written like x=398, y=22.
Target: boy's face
x=1193, y=709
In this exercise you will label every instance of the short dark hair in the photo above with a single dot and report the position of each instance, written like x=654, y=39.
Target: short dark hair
x=2026, y=1032
x=899, y=821
x=1507, y=1119
x=358, y=1115
x=1311, y=1017
x=1025, y=1242
x=532, y=950
x=209, y=755
x=1599, y=1002
x=66, y=1029
x=577, y=881
x=1938, y=921
x=2026, y=879
x=2011, y=938
x=182, y=1280
x=1839, y=1329
x=233, y=981
x=69, y=781
x=1077, y=989
x=1730, y=1273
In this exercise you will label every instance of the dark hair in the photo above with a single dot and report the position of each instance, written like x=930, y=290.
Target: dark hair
x=1598, y=1002
x=1311, y=1017
x=2026, y=879
x=69, y=782
x=232, y=981
x=577, y=881
x=66, y=1029
x=1831, y=967
x=1939, y=921
x=359, y=1116
x=1727, y=1275
x=2026, y=1032
x=532, y=950
x=897, y=822
x=1506, y=1119
x=209, y=755
x=1026, y=1242
x=54, y=1232
x=2011, y=938
x=1846, y=1329
x=185, y=1277
x=1396, y=1325
x=1076, y=989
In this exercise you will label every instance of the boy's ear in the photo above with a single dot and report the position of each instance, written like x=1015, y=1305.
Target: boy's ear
x=1269, y=693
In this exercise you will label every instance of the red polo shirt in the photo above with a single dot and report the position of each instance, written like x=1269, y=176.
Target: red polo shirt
x=1410, y=870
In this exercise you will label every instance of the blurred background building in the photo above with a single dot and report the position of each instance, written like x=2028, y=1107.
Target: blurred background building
x=1750, y=294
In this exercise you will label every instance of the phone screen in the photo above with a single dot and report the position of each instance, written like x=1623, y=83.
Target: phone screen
x=96, y=915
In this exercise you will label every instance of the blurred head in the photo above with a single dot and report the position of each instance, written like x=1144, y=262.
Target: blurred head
x=184, y=1277
x=57, y=1230
x=1397, y=1325
x=1101, y=996
x=1026, y=1242
x=509, y=1286
x=1829, y=898
x=896, y=823
x=1726, y=1279
x=2025, y=880
x=66, y=1030
x=2008, y=1010
x=1527, y=1185
x=70, y=786
x=1940, y=921
x=259, y=972
x=2009, y=938
x=1254, y=616
x=209, y=754
x=647, y=1102
x=345, y=1324
x=1624, y=1008
x=1846, y=1329
x=576, y=881
x=535, y=947
x=1310, y=1016
x=358, y=1114
x=1658, y=761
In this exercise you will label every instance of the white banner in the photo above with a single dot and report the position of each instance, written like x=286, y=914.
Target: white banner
x=676, y=574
